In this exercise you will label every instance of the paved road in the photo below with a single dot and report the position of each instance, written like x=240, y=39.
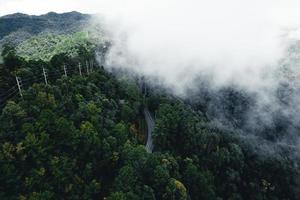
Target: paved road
x=150, y=129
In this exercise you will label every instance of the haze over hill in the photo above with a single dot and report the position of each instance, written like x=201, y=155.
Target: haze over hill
x=235, y=59
x=181, y=104
x=257, y=108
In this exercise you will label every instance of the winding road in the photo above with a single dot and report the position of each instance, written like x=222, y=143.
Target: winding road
x=150, y=129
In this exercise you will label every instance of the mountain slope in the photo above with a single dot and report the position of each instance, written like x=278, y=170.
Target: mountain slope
x=18, y=27
x=77, y=131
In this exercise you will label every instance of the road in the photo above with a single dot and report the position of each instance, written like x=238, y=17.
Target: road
x=150, y=129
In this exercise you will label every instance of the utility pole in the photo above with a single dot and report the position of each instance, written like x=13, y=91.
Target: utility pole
x=87, y=67
x=65, y=70
x=45, y=76
x=19, y=86
x=92, y=65
x=79, y=67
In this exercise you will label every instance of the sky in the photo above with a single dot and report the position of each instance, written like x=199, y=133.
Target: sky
x=235, y=40
x=43, y=6
x=285, y=8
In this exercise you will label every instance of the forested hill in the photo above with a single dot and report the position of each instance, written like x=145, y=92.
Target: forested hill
x=73, y=130
x=82, y=136
x=17, y=27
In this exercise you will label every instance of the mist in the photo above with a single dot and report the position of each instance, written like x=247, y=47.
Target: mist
x=249, y=47
x=234, y=41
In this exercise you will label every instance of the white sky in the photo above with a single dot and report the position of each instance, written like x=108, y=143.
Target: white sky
x=285, y=12
x=39, y=6
x=44, y=6
x=284, y=8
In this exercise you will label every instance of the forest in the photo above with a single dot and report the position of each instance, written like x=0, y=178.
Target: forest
x=82, y=136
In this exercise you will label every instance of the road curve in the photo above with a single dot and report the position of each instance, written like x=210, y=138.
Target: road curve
x=150, y=129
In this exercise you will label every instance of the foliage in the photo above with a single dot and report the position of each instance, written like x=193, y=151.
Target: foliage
x=45, y=46
x=71, y=139
x=18, y=27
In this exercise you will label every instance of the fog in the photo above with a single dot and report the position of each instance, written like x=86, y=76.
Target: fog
x=250, y=46
x=234, y=41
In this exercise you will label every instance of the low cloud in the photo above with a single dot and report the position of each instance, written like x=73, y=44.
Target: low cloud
x=236, y=42
x=248, y=46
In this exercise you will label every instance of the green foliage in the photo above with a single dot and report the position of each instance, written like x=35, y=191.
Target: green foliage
x=46, y=46
x=71, y=139
x=18, y=27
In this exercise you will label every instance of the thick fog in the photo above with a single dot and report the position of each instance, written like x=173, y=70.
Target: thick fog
x=234, y=41
x=243, y=55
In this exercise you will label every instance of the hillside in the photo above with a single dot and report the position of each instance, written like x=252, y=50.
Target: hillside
x=45, y=46
x=73, y=129
x=78, y=137
x=18, y=27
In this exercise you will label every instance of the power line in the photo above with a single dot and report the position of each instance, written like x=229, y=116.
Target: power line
x=3, y=101
x=33, y=79
x=7, y=96
x=30, y=79
x=44, y=76
x=4, y=94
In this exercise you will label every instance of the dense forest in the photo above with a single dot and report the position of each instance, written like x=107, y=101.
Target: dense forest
x=76, y=130
x=83, y=137
x=16, y=28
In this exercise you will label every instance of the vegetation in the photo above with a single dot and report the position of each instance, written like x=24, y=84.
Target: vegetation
x=18, y=27
x=73, y=139
x=44, y=47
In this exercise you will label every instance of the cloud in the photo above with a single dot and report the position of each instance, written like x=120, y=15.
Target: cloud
x=238, y=44
x=234, y=41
